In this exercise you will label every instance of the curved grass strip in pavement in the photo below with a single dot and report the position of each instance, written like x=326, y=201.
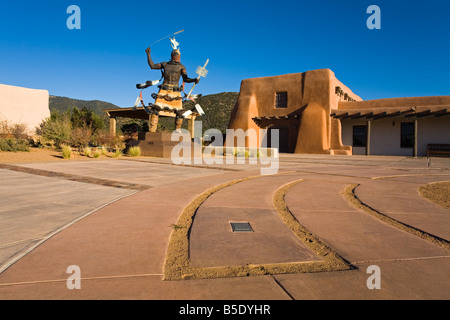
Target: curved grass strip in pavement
x=331, y=261
x=177, y=265
x=349, y=194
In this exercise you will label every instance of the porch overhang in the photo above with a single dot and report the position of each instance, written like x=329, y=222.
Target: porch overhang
x=415, y=112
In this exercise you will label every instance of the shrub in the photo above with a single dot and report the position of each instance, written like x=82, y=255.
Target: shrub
x=4, y=129
x=4, y=145
x=18, y=131
x=134, y=152
x=85, y=117
x=13, y=145
x=75, y=127
x=104, y=138
x=80, y=137
x=87, y=152
x=66, y=152
x=56, y=128
x=22, y=145
x=117, y=154
x=135, y=126
x=96, y=154
x=118, y=142
x=104, y=151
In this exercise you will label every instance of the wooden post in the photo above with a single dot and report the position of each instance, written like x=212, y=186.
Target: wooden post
x=191, y=126
x=415, y=138
x=149, y=122
x=369, y=127
x=112, y=125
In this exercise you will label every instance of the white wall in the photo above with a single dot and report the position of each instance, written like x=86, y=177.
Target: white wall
x=24, y=106
x=432, y=131
x=347, y=135
x=385, y=135
x=386, y=138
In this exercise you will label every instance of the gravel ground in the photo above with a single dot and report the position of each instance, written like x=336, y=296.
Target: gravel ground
x=438, y=193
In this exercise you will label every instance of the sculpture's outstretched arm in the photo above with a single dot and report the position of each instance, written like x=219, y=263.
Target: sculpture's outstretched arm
x=150, y=61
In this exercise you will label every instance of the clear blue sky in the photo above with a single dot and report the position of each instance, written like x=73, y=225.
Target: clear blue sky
x=104, y=60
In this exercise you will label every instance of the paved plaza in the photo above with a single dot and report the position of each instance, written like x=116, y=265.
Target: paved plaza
x=115, y=219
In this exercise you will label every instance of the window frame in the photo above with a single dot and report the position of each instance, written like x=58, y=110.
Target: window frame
x=278, y=100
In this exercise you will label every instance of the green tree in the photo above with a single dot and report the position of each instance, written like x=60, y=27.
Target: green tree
x=56, y=128
x=86, y=118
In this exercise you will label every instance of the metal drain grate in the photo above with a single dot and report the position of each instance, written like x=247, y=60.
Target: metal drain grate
x=241, y=227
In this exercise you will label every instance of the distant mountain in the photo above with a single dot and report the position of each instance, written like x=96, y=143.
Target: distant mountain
x=62, y=104
x=217, y=109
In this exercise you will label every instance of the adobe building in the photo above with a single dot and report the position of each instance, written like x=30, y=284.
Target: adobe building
x=23, y=106
x=317, y=114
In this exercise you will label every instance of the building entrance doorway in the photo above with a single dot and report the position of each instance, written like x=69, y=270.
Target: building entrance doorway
x=283, y=145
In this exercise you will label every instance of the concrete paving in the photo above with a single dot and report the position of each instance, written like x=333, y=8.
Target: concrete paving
x=212, y=242
x=398, y=198
x=138, y=172
x=35, y=207
x=121, y=240
x=351, y=232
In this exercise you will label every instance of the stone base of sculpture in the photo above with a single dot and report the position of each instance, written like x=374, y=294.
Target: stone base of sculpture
x=160, y=144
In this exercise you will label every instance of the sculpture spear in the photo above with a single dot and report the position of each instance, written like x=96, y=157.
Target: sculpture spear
x=202, y=72
x=167, y=37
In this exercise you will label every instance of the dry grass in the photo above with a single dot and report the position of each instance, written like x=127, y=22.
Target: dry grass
x=87, y=151
x=134, y=152
x=438, y=193
x=66, y=152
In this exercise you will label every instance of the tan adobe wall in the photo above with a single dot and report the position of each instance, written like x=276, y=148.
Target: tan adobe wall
x=311, y=95
x=396, y=103
x=24, y=106
x=257, y=98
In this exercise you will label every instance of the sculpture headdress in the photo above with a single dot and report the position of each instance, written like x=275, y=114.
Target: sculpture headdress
x=175, y=46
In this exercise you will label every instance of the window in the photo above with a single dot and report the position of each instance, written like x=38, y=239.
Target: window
x=359, y=136
x=407, y=135
x=281, y=100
